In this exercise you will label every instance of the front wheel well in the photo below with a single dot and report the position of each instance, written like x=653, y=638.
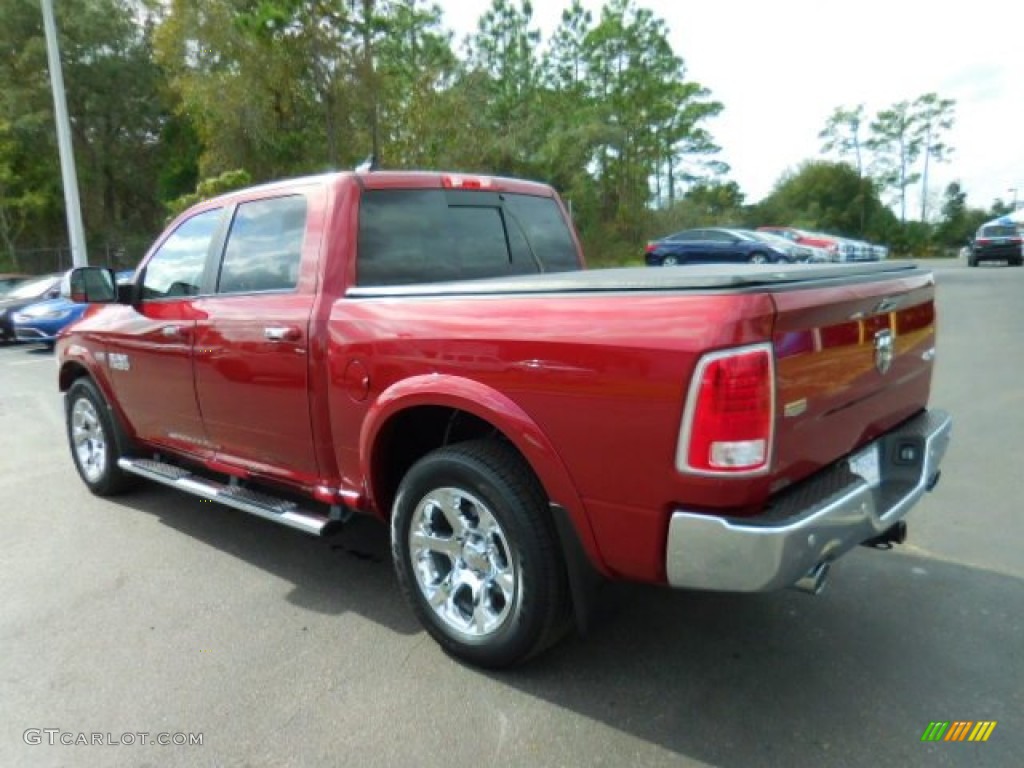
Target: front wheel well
x=70, y=373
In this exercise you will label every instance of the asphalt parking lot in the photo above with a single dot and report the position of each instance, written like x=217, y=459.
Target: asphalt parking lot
x=158, y=613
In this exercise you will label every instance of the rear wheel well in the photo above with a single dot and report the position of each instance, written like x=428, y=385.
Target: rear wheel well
x=412, y=434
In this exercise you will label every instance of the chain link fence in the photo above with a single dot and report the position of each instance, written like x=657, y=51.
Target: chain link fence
x=43, y=261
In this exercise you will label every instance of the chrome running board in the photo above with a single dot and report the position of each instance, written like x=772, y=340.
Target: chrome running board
x=255, y=503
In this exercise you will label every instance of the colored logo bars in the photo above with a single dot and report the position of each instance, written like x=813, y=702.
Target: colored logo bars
x=958, y=730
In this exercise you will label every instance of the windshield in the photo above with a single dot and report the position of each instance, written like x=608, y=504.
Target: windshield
x=32, y=288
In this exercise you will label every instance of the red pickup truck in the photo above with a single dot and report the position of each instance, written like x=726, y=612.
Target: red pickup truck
x=427, y=349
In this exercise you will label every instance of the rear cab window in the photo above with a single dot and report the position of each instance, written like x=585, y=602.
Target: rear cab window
x=410, y=236
x=998, y=230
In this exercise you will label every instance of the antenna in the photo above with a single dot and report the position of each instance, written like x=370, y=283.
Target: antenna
x=369, y=164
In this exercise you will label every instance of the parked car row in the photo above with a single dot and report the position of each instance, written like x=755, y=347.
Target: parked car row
x=721, y=244
x=843, y=249
x=34, y=311
x=765, y=245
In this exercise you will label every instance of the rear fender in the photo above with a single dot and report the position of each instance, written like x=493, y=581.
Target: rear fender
x=504, y=415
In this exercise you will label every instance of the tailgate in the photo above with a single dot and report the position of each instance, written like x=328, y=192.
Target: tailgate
x=852, y=361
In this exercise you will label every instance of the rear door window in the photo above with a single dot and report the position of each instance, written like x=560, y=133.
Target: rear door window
x=432, y=235
x=264, y=247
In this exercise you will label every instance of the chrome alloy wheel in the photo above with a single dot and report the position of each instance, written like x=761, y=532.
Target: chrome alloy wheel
x=89, y=439
x=462, y=562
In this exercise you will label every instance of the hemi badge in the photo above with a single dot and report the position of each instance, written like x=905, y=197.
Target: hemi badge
x=795, y=408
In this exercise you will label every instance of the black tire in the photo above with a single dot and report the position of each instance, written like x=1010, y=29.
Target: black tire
x=670, y=261
x=972, y=262
x=95, y=440
x=503, y=541
x=760, y=258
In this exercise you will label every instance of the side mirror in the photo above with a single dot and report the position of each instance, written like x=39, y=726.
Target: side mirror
x=90, y=285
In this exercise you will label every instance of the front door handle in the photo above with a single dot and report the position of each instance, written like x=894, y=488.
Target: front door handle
x=174, y=332
x=282, y=333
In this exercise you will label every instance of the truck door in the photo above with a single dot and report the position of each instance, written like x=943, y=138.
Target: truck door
x=251, y=348
x=149, y=345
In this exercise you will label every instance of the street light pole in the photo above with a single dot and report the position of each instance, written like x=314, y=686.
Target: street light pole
x=72, y=206
x=1014, y=190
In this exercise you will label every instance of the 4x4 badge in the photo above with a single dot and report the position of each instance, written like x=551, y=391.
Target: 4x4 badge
x=884, y=351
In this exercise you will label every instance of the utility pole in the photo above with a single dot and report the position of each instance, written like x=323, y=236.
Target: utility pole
x=1014, y=190
x=72, y=206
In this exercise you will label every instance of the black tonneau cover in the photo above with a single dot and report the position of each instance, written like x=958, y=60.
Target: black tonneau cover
x=711, y=277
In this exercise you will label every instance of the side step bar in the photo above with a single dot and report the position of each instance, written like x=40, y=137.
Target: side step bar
x=259, y=504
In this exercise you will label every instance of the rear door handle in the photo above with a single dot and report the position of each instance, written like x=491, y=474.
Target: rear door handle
x=174, y=332
x=282, y=333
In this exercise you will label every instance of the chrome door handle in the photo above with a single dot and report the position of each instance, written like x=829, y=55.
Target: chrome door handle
x=281, y=333
x=173, y=332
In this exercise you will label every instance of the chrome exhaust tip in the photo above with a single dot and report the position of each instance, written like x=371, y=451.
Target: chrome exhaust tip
x=814, y=581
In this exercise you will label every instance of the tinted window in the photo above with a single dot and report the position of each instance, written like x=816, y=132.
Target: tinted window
x=997, y=230
x=694, y=234
x=176, y=269
x=423, y=236
x=264, y=246
x=718, y=237
x=540, y=221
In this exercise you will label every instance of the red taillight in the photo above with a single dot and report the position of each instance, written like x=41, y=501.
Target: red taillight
x=729, y=417
x=981, y=241
x=465, y=182
x=650, y=247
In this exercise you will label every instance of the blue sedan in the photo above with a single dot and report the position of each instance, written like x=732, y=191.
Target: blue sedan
x=713, y=246
x=44, y=320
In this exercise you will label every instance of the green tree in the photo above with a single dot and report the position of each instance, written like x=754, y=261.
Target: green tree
x=933, y=118
x=826, y=195
x=208, y=188
x=653, y=114
x=999, y=208
x=843, y=135
x=716, y=198
x=504, y=62
x=117, y=109
x=959, y=221
x=896, y=145
x=18, y=202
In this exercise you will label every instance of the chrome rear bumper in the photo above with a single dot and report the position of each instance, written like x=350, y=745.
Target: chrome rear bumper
x=814, y=522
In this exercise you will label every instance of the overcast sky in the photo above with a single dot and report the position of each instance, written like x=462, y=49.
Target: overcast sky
x=781, y=67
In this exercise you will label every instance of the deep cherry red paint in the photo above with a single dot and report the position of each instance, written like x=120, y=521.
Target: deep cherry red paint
x=590, y=388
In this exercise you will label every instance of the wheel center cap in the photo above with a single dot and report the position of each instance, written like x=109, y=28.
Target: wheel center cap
x=474, y=553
